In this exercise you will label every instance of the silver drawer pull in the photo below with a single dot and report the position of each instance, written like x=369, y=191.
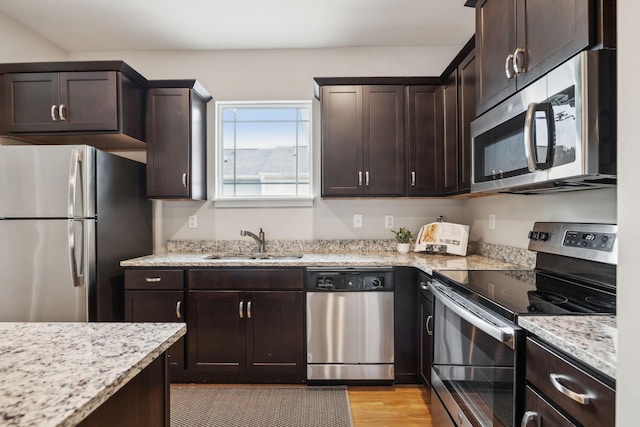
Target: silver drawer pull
x=240, y=311
x=249, y=310
x=582, y=399
x=53, y=113
x=153, y=279
x=413, y=178
x=426, y=325
x=528, y=416
x=179, y=309
x=61, y=109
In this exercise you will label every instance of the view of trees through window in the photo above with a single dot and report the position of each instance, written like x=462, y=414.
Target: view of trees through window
x=264, y=149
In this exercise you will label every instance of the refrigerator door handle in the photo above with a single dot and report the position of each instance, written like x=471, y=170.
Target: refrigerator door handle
x=73, y=181
x=76, y=275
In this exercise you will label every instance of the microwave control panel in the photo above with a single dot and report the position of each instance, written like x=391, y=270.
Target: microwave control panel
x=589, y=240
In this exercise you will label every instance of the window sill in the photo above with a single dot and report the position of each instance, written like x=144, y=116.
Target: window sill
x=265, y=202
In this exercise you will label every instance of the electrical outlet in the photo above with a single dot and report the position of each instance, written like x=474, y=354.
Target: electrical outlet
x=492, y=221
x=357, y=220
x=193, y=221
x=388, y=221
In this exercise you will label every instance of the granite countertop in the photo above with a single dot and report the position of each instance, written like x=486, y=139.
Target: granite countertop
x=424, y=262
x=592, y=340
x=56, y=374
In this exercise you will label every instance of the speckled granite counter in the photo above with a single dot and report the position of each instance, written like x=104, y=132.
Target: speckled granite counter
x=426, y=263
x=56, y=374
x=592, y=340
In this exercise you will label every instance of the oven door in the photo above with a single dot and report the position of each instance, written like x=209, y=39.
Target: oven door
x=475, y=371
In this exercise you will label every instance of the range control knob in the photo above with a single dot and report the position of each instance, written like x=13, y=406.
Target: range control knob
x=377, y=283
x=543, y=235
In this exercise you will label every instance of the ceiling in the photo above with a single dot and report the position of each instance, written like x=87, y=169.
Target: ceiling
x=117, y=25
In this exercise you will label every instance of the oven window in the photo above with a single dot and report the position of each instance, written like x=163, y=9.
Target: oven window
x=566, y=127
x=476, y=370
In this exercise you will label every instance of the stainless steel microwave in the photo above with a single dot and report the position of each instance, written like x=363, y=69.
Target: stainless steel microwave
x=557, y=134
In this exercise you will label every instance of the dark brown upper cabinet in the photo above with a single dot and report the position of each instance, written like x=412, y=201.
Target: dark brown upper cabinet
x=176, y=139
x=458, y=105
x=362, y=140
x=98, y=103
x=424, y=139
x=519, y=41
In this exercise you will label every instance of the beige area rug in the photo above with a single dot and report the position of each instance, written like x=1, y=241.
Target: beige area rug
x=210, y=406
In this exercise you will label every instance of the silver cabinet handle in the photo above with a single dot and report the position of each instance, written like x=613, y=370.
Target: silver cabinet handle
x=426, y=325
x=529, y=137
x=53, y=113
x=184, y=180
x=423, y=286
x=413, y=178
x=179, y=309
x=517, y=54
x=249, y=310
x=240, y=312
x=62, y=108
x=366, y=178
x=360, y=178
x=508, y=65
x=152, y=279
x=528, y=416
x=582, y=399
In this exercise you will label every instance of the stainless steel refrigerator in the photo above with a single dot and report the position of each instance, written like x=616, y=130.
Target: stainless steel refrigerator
x=68, y=215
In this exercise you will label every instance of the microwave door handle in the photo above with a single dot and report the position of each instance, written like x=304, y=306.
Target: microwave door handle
x=503, y=334
x=530, y=146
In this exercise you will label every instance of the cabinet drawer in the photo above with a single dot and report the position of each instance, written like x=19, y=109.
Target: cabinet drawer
x=539, y=412
x=154, y=279
x=543, y=364
x=254, y=279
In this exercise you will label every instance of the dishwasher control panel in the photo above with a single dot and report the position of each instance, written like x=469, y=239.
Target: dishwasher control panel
x=349, y=279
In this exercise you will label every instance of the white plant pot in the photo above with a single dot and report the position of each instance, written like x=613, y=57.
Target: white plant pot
x=403, y=248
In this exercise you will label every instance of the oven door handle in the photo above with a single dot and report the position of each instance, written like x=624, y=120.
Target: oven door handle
x=504, y=334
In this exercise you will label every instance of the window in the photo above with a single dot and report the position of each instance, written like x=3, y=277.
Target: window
x=264, y=150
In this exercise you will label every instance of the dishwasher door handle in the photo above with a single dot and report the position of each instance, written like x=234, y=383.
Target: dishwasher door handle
x=504, y=334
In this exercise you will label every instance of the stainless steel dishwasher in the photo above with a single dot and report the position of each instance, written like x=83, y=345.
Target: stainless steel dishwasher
x=350, y=324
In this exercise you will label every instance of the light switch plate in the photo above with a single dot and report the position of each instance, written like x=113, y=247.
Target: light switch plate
x=357, y=220
x=193, y=221
x=492, y=221
x=388, y=221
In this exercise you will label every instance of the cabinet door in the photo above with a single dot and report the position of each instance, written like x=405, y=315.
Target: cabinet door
x=495, y=40
x=383, y=140
x=467, y=113
x=159, y=306
x=424, y=140
x=450, y=134
x=275, y=336
x=31, y=102
x=342, y=157
x=551, y=32
x=216, y=333
x=168, y=136
x=88, y=101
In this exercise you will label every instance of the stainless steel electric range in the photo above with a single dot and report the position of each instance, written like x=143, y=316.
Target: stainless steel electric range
x=478, y=371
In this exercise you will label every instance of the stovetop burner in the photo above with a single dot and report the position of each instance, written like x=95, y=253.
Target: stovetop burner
x=601, y=303
x=549, y=297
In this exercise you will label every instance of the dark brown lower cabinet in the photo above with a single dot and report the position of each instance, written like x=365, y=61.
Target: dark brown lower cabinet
x=240, y=336
x=159, y=306
x=425, y=328
x=405, y=331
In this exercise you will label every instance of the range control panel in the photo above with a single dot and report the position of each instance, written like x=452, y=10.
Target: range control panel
x=594, y=242
x=589, y=240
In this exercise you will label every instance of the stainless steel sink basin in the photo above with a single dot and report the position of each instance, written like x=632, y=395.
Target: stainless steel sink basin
x=254, y=256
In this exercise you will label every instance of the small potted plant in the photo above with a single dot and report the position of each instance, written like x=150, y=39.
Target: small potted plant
x=403, y=237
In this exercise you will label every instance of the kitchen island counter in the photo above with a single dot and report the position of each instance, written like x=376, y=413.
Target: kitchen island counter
x=424, y=262
x=591, y=340
x=58, y=374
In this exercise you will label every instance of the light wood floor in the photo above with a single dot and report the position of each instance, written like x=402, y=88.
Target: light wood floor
x=405, y=406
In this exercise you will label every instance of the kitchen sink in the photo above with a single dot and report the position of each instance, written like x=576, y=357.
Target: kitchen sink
x=254, y=256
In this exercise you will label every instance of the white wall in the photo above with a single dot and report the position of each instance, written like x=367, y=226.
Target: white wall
x=20, y=44
x=628, y=391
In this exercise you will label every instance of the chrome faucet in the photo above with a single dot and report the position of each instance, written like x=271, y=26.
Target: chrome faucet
x=259, y=238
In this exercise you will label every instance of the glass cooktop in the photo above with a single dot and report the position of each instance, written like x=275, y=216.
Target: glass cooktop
x=511, y=293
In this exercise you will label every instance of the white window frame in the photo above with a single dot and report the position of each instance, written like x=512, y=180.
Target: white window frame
x=222, y=200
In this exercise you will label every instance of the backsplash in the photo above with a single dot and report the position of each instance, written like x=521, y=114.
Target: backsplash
x=499, y=252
